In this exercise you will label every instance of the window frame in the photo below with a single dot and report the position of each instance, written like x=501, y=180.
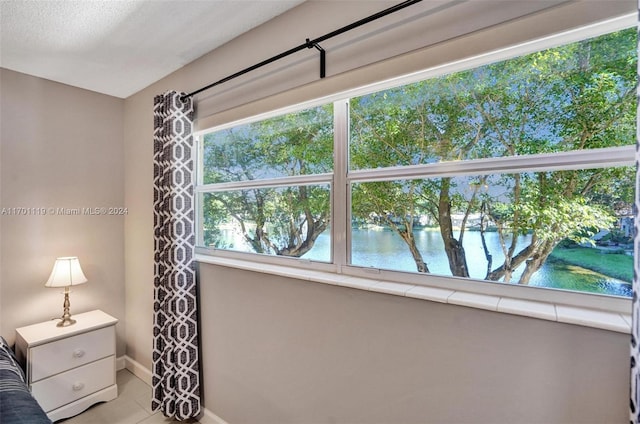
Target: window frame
x=341, y=179
x=275, y=182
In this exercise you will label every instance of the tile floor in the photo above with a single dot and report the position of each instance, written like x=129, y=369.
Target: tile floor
x=132, y=406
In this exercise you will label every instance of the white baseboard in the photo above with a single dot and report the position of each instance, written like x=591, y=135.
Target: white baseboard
x=120, y=363
x=209, y=417
x=137, y=369
x=144, y=374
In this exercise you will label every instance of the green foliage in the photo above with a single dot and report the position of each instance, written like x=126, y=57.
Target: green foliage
x=283, y=221
x=617, y=237
x=212, y=221
x=554, y=212
x=578, y=96
x=573, y=97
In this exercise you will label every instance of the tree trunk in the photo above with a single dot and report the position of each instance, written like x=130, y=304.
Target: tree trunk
x=536, y=262
x=406, y=234
x=417, y=256
x=298, y=249
x=453, y=248
x=259, y=243
x=487, y=252
x=516, y=261
x=298, y=244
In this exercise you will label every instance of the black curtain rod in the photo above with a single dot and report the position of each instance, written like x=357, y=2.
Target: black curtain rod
x=308, y=45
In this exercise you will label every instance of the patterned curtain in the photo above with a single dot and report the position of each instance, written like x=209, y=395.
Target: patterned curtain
x=176, y=374
x=635, y=308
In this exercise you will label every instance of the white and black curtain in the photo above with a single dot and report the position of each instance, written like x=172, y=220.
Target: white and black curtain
x=635, y=308
x=176, y=371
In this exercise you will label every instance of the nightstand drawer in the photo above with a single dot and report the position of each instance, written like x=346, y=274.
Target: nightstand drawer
x=64, y=388
x=60, y=355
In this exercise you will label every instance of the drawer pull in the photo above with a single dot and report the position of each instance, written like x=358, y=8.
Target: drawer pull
x=77, y=386
x=78, y=353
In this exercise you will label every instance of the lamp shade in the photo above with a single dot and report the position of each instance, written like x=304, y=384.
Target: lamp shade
x=66, y=272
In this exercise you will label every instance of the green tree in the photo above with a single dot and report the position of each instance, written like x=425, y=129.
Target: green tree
x=578, y=96
x=277, y=220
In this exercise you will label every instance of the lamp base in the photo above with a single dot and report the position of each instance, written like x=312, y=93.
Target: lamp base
x=65, y=322
x=66, y=315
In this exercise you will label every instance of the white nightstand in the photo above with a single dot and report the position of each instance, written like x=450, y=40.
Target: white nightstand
x=70, y=368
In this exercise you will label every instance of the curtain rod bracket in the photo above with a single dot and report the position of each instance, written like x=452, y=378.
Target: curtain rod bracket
x=323, y=56
x=309, y=44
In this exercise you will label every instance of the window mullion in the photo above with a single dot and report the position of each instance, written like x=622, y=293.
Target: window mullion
x=340, y=196
x=578, y=159
x=266, y=183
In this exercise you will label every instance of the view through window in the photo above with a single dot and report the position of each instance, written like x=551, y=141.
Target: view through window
x=263, y=194
x=519, y=171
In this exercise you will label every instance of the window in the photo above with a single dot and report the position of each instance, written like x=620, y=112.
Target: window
x=518, y=171
x=267, y=184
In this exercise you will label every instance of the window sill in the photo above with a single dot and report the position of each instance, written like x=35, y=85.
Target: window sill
x=557, y=312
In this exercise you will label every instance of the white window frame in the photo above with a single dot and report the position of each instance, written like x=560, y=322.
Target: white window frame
x=297, y=180
x=341, y=179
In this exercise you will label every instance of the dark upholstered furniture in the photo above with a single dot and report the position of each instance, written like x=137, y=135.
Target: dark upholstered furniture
x=17, y=406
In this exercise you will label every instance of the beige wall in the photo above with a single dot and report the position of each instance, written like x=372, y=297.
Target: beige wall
x=424, y=35
x=279, y=350
x=61, y=148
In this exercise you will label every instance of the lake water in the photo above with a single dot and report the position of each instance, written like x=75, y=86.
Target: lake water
x=382, y=248
x=385, y=249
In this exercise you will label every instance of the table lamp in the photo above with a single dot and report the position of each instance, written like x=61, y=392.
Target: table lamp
x=66, y=273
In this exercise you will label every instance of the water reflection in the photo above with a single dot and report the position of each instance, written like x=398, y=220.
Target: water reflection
x=385, y=249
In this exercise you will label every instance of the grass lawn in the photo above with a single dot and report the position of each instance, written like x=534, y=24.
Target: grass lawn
x=616, y=265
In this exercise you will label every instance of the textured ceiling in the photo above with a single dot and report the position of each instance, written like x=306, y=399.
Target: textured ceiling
x=119, y=47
